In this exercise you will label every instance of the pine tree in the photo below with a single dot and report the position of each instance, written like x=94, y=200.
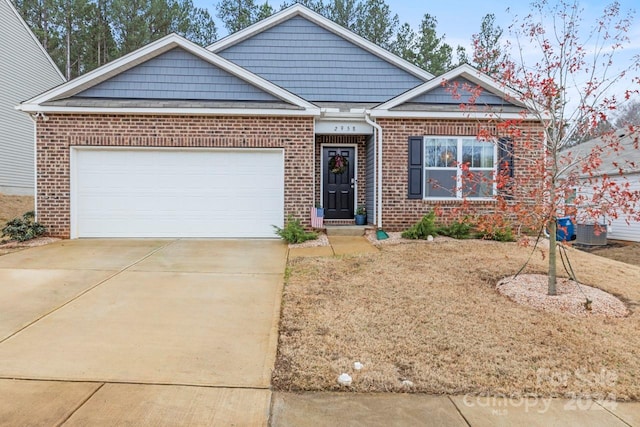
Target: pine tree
x=239, y=14
x=405, y=44
x=433, y=54
x=376, y=23
x=488, y=52
x=343, y=13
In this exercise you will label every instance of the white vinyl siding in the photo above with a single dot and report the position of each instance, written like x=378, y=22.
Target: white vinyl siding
x=619, y=228
x=25, y=71
x=457, y=168
x=177, y=193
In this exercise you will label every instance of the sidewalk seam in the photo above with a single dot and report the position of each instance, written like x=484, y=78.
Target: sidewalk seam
x=80, y=405
x=459, y=411
x=116, y=382
x=48, y=313
x=612, y=413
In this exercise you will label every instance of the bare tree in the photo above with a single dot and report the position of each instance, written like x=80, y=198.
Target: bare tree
x=570, y=87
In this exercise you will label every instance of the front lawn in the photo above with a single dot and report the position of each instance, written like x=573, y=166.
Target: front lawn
x=428, y=314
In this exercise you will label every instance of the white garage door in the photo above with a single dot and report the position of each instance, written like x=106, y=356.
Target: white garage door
x=176, y=193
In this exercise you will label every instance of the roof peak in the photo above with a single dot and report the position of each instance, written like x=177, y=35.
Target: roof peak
x=299, y=10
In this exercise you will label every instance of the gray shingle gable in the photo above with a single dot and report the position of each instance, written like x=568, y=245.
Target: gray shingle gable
x=318, y=65
x=177, y=74
x=444, y=95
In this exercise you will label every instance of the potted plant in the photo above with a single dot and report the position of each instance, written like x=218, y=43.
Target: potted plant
x=361, y=215
x=319, y=210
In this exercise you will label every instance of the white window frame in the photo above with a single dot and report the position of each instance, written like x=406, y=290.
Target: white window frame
x=459, y=151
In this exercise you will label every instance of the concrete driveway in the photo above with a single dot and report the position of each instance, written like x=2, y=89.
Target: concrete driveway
x=143, y=332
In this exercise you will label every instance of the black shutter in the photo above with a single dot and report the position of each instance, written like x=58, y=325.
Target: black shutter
x=505, y=156
x=505, y=167
x=415, y=180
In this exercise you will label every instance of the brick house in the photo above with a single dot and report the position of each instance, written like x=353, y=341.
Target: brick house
x=294, y=111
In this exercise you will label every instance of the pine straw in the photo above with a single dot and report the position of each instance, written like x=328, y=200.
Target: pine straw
x=430, y=314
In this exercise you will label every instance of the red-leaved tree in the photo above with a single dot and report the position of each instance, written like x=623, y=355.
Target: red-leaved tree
x=571, y=78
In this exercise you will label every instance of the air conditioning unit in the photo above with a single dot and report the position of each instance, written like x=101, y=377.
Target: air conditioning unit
x=591, y=234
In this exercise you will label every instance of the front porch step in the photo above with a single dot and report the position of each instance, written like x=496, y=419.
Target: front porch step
x=331, y=222
x=345, y=230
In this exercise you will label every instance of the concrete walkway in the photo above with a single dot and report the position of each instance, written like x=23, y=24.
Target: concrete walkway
x=139, y=332
x=389, y=409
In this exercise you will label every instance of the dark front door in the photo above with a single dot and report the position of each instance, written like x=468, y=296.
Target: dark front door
x=338, y=166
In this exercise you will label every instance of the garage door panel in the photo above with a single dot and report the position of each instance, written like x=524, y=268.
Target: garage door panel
x=178, y=193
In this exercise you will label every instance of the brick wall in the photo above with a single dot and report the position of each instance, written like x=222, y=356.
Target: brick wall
x=294, y=135
x=60, y=132
x=399, y=212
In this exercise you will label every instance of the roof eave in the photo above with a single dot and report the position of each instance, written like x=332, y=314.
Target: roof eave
x=484, y=115
x=37, y=108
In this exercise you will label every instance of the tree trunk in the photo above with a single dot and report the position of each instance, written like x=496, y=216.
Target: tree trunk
x=68, y=59
x=45, y=28
x=68, y=40
x=552, y=255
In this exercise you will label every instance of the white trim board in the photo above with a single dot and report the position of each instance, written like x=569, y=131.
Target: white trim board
x=31, y=108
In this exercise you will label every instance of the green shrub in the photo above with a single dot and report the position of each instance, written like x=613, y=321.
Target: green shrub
x=457, y=230
x=24, y=228
x=422, y=229
x=293, y=232
x=502, y=234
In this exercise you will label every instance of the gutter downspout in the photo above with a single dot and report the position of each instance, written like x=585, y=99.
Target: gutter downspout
x=378, y=129
x=34, y=118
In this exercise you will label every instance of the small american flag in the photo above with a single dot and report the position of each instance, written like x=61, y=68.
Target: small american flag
x=316, y=221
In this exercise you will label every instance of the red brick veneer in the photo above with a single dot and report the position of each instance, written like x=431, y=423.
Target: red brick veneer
x=399, y=212
x=60, y=132
x=295, y=135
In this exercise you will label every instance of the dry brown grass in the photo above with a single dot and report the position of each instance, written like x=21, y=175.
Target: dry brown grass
x=13, y=206
x=625, y=252
x=429, y=313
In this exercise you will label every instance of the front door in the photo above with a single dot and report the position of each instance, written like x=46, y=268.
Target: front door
x=338, y=170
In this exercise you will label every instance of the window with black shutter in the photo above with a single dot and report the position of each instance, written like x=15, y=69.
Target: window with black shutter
x=458, y=167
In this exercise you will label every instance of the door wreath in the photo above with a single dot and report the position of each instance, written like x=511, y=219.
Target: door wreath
x=338, y=164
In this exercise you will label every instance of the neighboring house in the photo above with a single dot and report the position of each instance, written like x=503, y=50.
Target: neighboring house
x=177, y=140
x=619, y=160
x=25, y=71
